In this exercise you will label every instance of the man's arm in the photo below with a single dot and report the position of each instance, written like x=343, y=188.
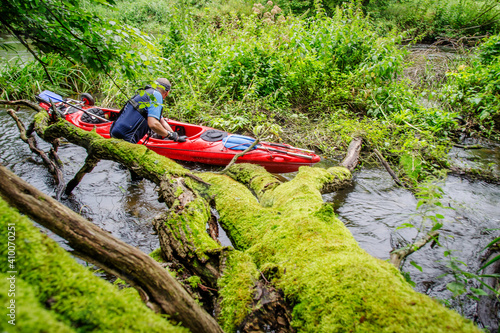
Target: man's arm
x=160, y=127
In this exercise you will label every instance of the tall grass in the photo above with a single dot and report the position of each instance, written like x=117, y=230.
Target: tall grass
x=433, y=20
x=25, y=80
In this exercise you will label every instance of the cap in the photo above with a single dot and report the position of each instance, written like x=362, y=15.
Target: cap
x=164, y=83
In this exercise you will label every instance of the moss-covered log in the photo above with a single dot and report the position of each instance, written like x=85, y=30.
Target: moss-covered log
x=284, y=236
x=294, y=238
x=54, y=293
x=93, y=244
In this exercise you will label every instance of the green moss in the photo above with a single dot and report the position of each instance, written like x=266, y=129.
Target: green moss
x=254, y=176
x=77, y=298
x=193, y=281
x=235, y=289
x=333, y=284
x=190, y=224
x=30, y=315
x=157, y=256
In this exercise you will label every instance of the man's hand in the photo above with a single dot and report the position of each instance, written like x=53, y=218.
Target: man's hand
x=176, y=137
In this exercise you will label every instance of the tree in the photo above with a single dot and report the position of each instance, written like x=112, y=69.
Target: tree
x=64, y=28
x=294, y=264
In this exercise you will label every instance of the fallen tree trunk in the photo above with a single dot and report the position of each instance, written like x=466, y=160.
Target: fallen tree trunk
x=52, y=292
x=283, y=234
x=93, y=244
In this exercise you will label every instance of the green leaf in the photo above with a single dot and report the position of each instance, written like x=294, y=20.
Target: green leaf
x=490, y=262
x=491, y=243
x=414, y=264
x=479, y=292
x=457, y=288
x=406, y=225
x=437, y=226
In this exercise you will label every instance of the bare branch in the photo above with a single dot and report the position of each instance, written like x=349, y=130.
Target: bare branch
x=397, y=256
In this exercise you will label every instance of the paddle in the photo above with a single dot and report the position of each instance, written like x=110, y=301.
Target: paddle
x=287, y=152
x=78, y=108
x=288, y=147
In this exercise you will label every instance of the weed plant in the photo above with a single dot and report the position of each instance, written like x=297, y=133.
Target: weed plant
x=474, y=89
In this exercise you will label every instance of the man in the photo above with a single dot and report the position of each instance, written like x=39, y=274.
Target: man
x=142, y=113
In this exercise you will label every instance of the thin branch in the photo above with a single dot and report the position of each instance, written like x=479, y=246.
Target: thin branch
x=397, y=256
x=30, y=140
x=239, y=155
x=387, y=167
x=23, y=102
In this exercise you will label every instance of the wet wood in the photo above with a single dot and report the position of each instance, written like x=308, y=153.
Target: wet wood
x=90, y=163
x=387, y=167
x=52, y=164
x=351, y=159
x=99, y=247
x=269, y=311
x=397, y=256
x=489, y=306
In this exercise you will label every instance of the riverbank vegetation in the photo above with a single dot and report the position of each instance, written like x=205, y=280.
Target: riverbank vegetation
x=323, y=72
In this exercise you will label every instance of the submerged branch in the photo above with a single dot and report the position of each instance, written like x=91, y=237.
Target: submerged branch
x=397, y=256
x=31, y=141
x=90, y=163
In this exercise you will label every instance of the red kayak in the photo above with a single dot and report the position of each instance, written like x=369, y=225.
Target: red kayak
x=203, y=144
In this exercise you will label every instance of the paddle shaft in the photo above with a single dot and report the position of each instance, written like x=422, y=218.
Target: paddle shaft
x=287, y=147
x=287, y=152
x=78, y=108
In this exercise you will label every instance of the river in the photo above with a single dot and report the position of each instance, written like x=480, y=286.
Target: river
x=373, y=208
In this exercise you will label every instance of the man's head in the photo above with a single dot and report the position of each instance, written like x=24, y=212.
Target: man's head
x=163, y=85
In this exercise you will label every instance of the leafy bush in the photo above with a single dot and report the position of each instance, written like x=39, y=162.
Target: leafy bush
x=475, y=89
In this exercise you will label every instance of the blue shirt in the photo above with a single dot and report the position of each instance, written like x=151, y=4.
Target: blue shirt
x=154, y=110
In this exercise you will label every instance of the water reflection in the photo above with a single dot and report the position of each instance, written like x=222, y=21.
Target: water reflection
x=12, y=50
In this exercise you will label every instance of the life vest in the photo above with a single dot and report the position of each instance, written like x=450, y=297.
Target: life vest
x=132, y=122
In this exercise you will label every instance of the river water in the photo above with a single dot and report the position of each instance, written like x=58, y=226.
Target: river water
x=373, y=208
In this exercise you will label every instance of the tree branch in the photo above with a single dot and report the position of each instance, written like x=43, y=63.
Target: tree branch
x=397, y=256
x=235, y=158
x=30, y=140
x=387, y=167
x=129, y=263
x=351, y=160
